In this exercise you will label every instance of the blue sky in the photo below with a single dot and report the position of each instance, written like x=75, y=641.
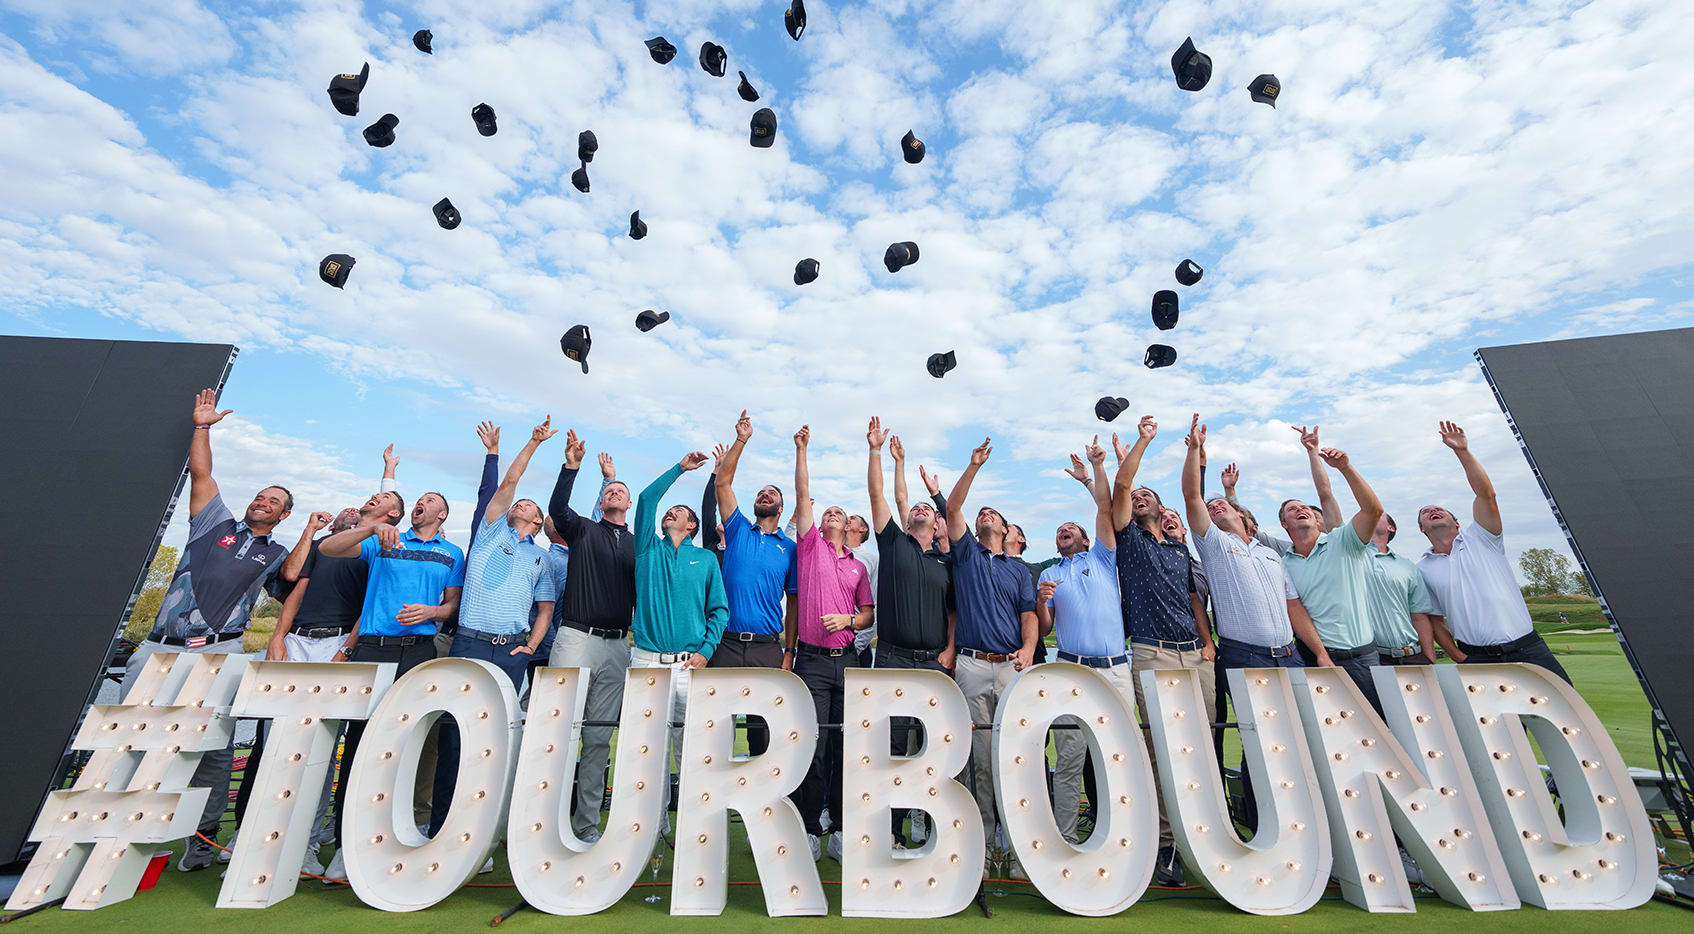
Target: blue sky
x=1435, y=178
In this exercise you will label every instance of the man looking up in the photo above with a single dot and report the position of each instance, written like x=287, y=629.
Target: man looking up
x=997, y=628
x=594, y=619
x=1470, y=579
x=834, y=601
x=1014, y=546
x=1400, y=605
x=1328, y=505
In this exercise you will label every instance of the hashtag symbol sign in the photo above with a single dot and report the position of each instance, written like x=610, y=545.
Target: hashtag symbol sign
x=94, y=837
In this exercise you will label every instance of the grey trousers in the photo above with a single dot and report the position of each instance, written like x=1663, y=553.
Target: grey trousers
x=606, y=661
x=982, y=682
x=213, y=770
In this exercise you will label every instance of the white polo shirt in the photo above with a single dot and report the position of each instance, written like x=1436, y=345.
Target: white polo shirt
x=1474, y=588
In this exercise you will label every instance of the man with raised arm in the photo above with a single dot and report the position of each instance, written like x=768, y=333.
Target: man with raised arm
x=914, y=587
x=1329, y=508
x=834, y=601
x=594, y=613
x=1470, y=578
x=997, y=628
x=1400, y=606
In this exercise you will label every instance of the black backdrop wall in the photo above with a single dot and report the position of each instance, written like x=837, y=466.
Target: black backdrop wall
x=1608, y=425
x=93, y=450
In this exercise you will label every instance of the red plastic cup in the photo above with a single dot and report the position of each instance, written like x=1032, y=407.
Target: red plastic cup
x=155, y=869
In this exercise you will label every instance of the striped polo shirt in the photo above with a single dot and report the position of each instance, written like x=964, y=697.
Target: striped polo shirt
x=504, y=577
x=1250, y=588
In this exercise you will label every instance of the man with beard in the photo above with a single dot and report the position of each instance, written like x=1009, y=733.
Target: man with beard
x=859, y=532
x=1400, y=606
x=1014, y=545
x=1328, y=506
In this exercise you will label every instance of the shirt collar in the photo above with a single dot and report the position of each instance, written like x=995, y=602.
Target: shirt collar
x=412, y=534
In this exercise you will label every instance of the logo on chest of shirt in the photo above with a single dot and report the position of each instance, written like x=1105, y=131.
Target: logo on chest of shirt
x=227, y=542
x=1084, y=572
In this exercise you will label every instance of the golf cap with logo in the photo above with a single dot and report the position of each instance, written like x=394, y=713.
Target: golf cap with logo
x=805, y=271
x=422, y=38
x=579, y=179
x=1164, y=309
x=1109, y=408
x=713, y=59
x=763, y=133
x=335, y=269
x=637, y=226
x=484, y=117
x=1193, y=68
x=747, y=91
x=1159, y=355
x=1264, y=89
x=446, y=214
x=650, y=319
x=660, y=48
x=1188, y=272
x=586, y=146
x=344, y=90
x=900, y=255
x=794, y=19
x=381, y=133
x=940, y=363
x=912, y=148
x=575, y=344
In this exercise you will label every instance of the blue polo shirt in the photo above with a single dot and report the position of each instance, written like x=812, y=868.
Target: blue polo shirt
x=991, y=592
x=504, y=577
x=1087, y=612
x=1156, y=580
x=415, y=572
x=558, y=561
x=758, y=568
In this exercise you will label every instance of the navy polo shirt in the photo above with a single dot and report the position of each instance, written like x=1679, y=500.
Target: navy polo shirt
x=991, y=592
x=417, y=571
x=758, y=568
x=223, y=567
x=1154, y=578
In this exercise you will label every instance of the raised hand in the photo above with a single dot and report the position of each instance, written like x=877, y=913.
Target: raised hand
x=490, y=435
x=1196, y=433
x=206, y=409
x=1454, y=437
x=717, y=456
x=896, y=450
x=1230, y=477
x=544, y=431
x=1334, y=457
x=743, y=427
x=389, y=461
x=979, y=456
x=318, y=520
x=574, y=449
x=1078, y=469
x=876, y=434
x=1118, y=448
x=1147, y=427
x=931, y=482
x=1096, y=453
x=693, y=460
x=1308, y=436
x=803, y=437
x=608, y=469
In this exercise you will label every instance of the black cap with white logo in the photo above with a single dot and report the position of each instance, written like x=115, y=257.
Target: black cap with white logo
x=1159, y=355
x=1108, y=408
x=484, y=117
x=1188, y=272
x=446, y=214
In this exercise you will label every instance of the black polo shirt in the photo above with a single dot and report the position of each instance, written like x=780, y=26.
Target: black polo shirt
x=600, y=581
x=914, y=590
x=336, y=594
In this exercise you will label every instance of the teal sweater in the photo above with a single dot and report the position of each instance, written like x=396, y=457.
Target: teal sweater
x=679, y=597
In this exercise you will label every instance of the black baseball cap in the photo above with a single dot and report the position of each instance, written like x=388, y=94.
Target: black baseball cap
x=575, y=344
x=335, y=268
x=794, y=19
x=381, y=133
x=713, y=59
x=747, y=91
x=1164, y=309
x=900, y=255
x=484, y=117
x=637, y=226
x=1264, y=89
x=344, y=90
x=586, y=146
x=579, y=179
x=763, y=129
x=940, y=363
x=650, y=319
x=805, y=271
x=446, y=214
x=1188, y=272
x=660, y=48
x=912, y=148
x=1109, y=408
x=1192, y=67
x=1159, y=355
x=422, y=38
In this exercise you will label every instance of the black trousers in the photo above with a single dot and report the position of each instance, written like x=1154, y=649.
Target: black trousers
x=733, y=653
x=405, y=658
x=901, y=741
x=1532, y=651
x=826, y=677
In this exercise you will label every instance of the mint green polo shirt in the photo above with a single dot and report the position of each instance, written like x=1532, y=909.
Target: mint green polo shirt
x=1334, y=584
x=1396, y=592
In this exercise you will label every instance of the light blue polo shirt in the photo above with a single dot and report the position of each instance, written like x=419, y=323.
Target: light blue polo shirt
x=1334, y=584
x=504, y=577
x=415, y=572
x=1397, y=591
x=1087, y=608
x=758, y=568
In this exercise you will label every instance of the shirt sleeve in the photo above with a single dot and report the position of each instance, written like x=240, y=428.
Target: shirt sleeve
x=600, y=497
x=559, y=508
x=709, y=516
x=1435, y=607
x=863, y=595
x=791, y=580
x=1026, y=593
x=1350, y=541
x=1288, y=585
x=457, y=579
x=717, y=609
x=1419, y=599
x=369, y=549
x=209, y=516
x=484, y=494
x=647, y=508
x=387, y=485
x=311, y=562
x=1480, y=535
x=1279, y=545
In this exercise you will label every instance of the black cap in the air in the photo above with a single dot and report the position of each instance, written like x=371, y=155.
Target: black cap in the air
x=650, y=319
x=637, y=226
x=660, y=48
x=912, y=148
x=381, y=133
x=579, y=179
x=940, y=363
x=805, y=271
x=900, y=255
x=335, y=269
x=484, y=117
x=446, y=214
x=344, y=90
x=1264, y=89
x=586, y=146
x=1109, y=408
x=763, y=128
x=1159, y=355
x=713, y=59
x=1164, y=309
x=794, y=19
x=1188, y=272
x=575, y=344
x=746, y=90
x=1193, y=68
x=422, y=38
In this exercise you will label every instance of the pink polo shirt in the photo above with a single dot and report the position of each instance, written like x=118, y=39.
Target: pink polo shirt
x=829, y=584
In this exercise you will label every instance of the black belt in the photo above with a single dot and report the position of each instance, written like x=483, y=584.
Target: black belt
x=828, y=653
x=595, y=631
x=494, y=638
x=750, y=637
x=197, y=641
x=1094, y=661
x=916, y=655
x=1342, y=655
x=322, y=632
x=1404, y=651
x=1522, y=642
x=1278, y=651
x=385, y=641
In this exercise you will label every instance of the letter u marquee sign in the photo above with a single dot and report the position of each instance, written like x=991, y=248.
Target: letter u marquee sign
x=1448, y=771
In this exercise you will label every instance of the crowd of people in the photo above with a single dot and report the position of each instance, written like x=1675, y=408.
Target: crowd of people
x=1143, y=586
